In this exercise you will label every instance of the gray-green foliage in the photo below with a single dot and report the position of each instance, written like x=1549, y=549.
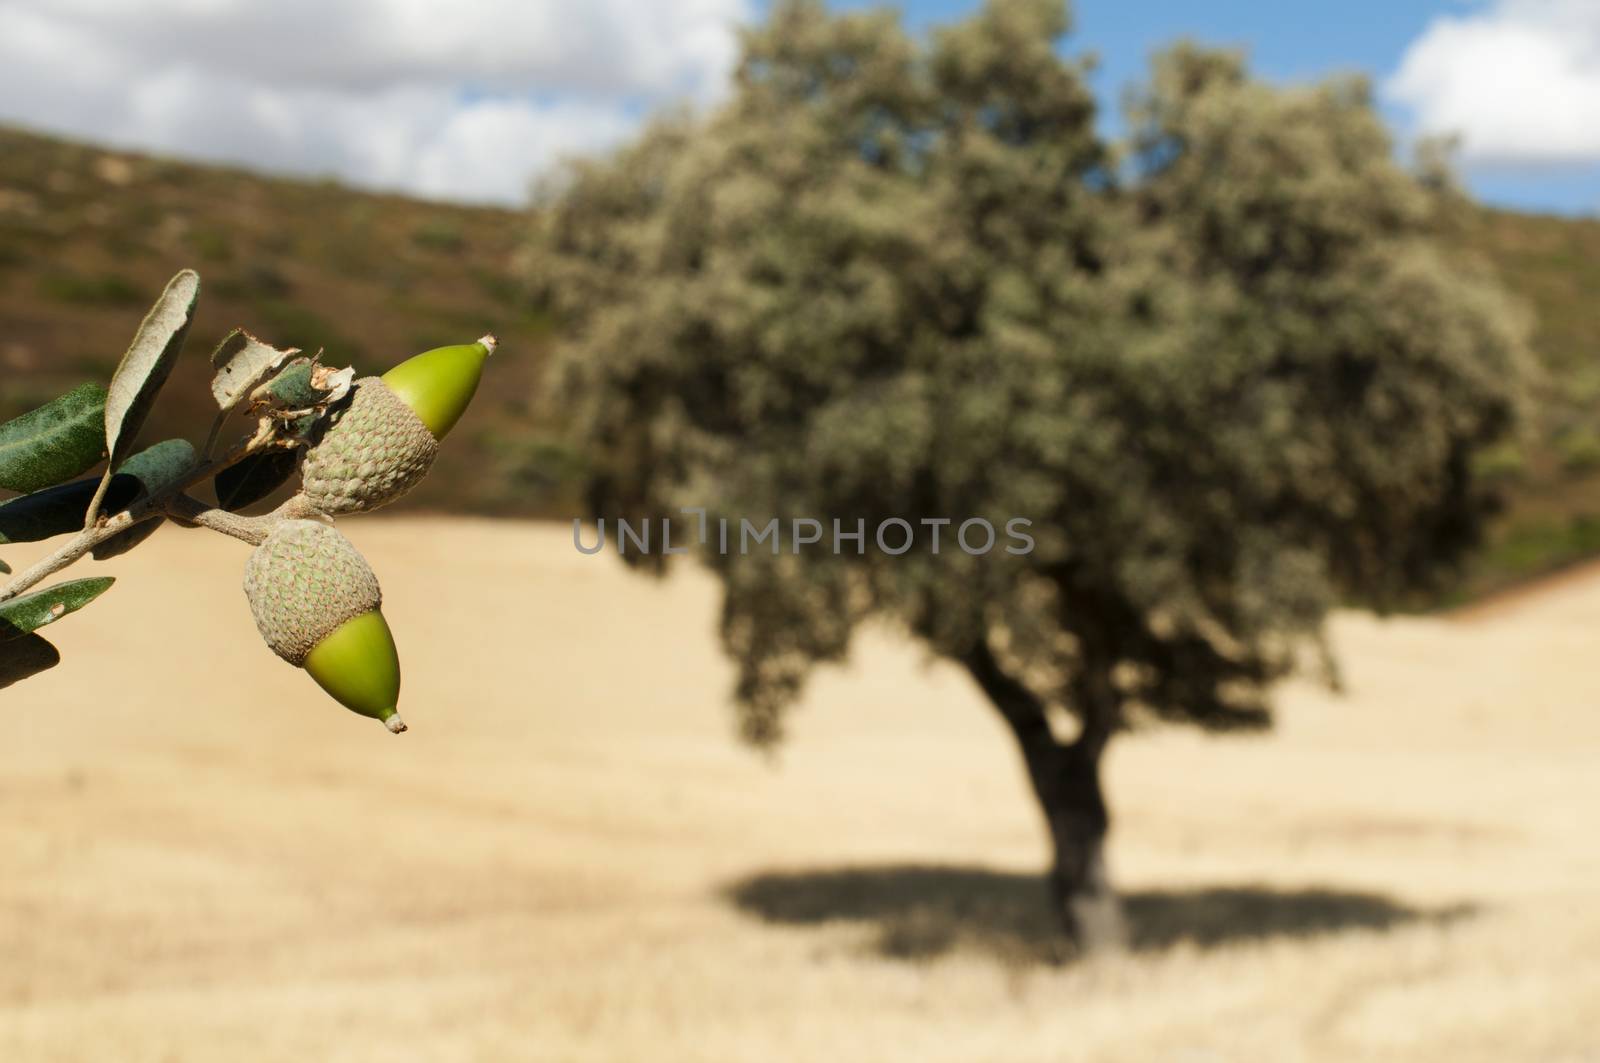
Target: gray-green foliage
x=254, y=478
x=1223, y=367
x=61, y=509
x=107, y=515
x=24, y=657
x=148, y=362
x=57, y=441
x=155, y=468
x=242, y=362
x=29, y=612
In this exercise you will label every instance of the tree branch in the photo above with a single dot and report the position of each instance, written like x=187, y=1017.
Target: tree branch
x=192, y=512
x=1020, y=707
x=148, y=508
x=72, y=550
x=1099, y=708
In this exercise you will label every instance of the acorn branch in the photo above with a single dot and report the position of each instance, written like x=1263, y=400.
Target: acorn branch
x=75, y=548
x=190, y=512
x=162, y=503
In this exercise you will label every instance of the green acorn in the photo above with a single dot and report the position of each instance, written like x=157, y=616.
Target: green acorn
x=438, y=384
x=384, y=441
x=317, y=604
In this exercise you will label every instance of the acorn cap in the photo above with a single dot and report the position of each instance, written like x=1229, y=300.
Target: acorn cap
x=372, y=452
x=305, y=581
x=438, y=384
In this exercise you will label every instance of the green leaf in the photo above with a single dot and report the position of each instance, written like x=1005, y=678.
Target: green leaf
x=290, y=389
x=161, y=465
x=56, y=442
x=5, y=568
x=148, y=362
x=59, y=510
x=24, y=657
x=155, y=468
x=255, y=478
x=30, y=612
x=242, y=362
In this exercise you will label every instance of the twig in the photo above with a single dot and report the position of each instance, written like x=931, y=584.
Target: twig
x=73, y=549
x=193, y=512
x=154, y=505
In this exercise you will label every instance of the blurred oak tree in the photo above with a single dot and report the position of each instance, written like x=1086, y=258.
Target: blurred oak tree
x=1223, y=367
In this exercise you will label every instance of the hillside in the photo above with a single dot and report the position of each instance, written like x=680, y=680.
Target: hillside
x=1553, y=476
x=88, y=236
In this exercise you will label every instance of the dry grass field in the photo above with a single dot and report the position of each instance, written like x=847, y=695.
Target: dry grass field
x=568, y=858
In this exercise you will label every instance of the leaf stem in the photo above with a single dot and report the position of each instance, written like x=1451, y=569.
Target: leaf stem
x=93, y=512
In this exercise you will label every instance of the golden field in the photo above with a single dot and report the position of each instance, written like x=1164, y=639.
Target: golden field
x=569, y=858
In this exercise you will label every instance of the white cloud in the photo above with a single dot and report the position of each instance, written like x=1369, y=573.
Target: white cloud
x=1518, y=81
x=459, y=99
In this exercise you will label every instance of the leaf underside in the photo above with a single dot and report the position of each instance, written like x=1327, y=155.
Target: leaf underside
x=148, y=362
x=26, y=614
x=126, y=539
x=59, y=510
x=155, y=468
x=59, y=440
x=242, y=362
x=160, y=465
x=255, y=478
x=24, y=657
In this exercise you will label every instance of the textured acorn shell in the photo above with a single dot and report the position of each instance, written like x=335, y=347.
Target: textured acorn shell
x=304, y=581
x=373, y=451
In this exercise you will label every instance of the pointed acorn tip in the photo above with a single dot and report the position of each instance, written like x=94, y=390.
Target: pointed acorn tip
x=395, y=724
x=489, y=342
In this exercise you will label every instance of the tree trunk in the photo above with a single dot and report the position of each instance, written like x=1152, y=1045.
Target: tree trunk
x=1066, y=781
x=1075, y=812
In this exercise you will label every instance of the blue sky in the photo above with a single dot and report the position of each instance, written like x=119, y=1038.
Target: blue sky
x=1296, y=40
x=387, y=94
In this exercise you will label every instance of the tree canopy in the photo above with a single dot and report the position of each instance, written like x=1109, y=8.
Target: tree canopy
x=1223, y=366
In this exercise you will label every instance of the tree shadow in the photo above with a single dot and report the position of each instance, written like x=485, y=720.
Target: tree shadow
x=919, y=911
